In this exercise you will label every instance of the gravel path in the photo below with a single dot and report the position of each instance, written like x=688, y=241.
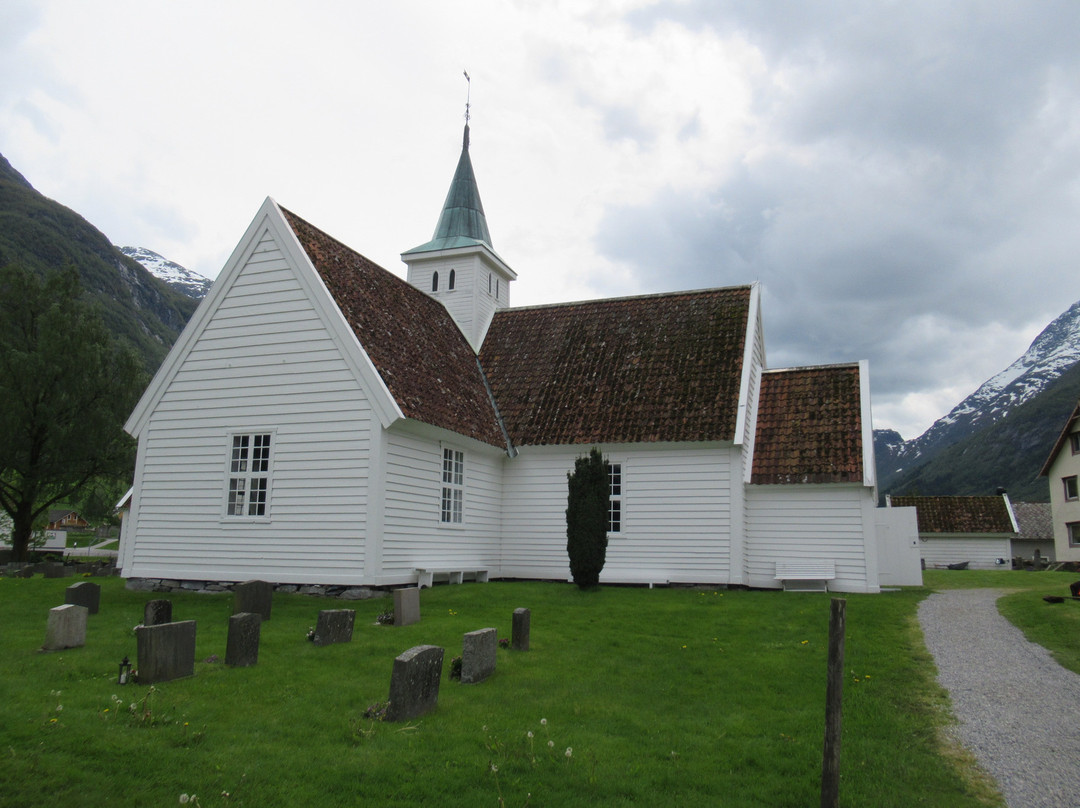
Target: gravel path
x=1018, y=710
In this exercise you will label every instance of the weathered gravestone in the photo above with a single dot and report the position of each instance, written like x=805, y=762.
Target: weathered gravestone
x=253, y=596
x=54, y=569
x=478, y=656
x=406, y=606
x=165, y=651
x=66, y=628
x=157, y=612
x=242, y=647
x=414, y=683
x=519, y=631
x=333, y=626
x=85, y=594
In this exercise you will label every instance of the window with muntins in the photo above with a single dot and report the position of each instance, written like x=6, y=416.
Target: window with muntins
x=615, y=498
x=1070, y=487
x=249, y=475
x=453, y=486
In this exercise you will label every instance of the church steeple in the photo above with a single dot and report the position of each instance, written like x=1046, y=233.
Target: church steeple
x=458, y=266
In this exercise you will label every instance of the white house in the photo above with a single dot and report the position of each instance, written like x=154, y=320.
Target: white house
x=978, y=531
x=321, y=420
x=1062, y=469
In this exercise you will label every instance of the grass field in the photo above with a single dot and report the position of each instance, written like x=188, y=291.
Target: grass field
x=680, y=696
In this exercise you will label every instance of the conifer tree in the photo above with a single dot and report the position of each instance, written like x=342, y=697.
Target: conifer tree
x=587, y=518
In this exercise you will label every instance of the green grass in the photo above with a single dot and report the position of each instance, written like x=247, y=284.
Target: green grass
x=675, y=695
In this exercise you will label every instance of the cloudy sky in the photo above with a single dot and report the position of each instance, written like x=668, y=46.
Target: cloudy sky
x=901, y=177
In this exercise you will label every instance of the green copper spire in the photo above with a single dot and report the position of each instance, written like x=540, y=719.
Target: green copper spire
x=462, y=222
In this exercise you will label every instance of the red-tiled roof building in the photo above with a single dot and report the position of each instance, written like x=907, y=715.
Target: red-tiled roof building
x=322, y=420
x=977, y=531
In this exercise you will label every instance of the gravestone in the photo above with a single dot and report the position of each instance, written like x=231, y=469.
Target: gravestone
x=253, y=596
x=519, y=631
x=242, y=647
x=406, y=606
x=334, y=625
x=157, y=612
x=66, y=628
x=478, y=656
x=165, y=651
x=414, y=683
x=53, y=569
x=85, y=594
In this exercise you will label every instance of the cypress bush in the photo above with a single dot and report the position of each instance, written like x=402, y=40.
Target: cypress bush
x=587, y=518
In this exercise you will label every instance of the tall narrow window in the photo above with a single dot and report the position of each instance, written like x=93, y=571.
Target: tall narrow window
x=489, y=283
x=1074, y=442
x=451, y=279
x=1070, y=487
x=615, y=498
x=1074, y=533
x=453, y=486
x=249, y=475
x=496, y=288
x=434, y=281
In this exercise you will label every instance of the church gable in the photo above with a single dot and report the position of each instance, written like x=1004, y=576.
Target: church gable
x=662, y=368
x=418, y=351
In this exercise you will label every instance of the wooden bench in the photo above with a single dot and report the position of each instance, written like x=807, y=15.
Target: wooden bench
x=454, y=575
x=805, y=576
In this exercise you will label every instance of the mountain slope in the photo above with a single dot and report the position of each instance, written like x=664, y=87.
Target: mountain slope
x=1049, y=357
x=42, y=234
x=180, y=278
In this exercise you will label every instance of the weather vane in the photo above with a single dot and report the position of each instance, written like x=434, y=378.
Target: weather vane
x=468, y=95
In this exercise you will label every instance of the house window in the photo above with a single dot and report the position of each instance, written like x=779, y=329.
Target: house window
x=249, y=475
x=615, y=498
x=453, y=486
x=1070, y=487
x=1074, y=533
x=434, y=281
x=1074, y=442
x=450, y=282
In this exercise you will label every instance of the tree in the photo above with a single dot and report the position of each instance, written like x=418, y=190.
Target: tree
x=65, y=391
x=587, y=518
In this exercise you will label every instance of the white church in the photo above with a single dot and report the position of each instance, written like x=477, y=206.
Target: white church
x=322, y=421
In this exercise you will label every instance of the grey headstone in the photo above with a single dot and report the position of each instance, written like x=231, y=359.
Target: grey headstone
x=85, y=594
x=157, y=612
x=166, y=651
x=26, y=572
x=406, y=606
x=519, y=632
x=66, y=628
x=242, y=648
x=414, y=683
x=334, y=625
x=478, y=655
x=253, y=596
x=53, y=569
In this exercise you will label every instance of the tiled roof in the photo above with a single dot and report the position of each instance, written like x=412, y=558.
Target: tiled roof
x=959, y=514
x=625, y=370
x=416, y=347
x=1034, y=519
x=809, y=426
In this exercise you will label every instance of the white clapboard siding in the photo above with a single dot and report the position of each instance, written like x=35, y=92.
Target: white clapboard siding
x=264, y=363
x=810, y=523
x=981, y=552
x=413, y=534
x=676, y=514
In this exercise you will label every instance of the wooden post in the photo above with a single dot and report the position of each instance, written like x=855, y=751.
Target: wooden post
x=834, y=700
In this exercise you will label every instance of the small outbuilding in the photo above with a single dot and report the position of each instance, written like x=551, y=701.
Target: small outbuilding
x=975, y=531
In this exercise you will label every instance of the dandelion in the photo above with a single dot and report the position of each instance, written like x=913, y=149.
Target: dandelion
x=184, y=799
x=494, y=769
x=529, y=734
x=551, y=744
x=569, y=752
x=804, y=642
x=543, y=722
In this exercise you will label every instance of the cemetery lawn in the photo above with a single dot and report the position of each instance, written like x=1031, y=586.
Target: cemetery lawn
x=632, y=697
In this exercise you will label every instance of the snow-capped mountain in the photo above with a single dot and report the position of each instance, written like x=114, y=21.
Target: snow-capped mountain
x=1053, y=352
x=183, y=280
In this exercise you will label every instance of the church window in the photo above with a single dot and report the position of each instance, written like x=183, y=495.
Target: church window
x=434, y=281
x=453, y=486
x=489, y=284
x=450, y=281
x=615, y=498
x=249, y=475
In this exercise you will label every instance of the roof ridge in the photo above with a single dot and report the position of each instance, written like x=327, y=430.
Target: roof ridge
x=607, y=300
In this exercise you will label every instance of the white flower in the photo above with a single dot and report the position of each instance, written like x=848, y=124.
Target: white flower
x=184, y=799
x=494, y=768
x=529, y=733
x=569, y=751
x=551, y=744
x=59, y=707
x=543, y=722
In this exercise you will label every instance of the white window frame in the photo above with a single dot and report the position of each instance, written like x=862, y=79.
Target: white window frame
x=247, y=473
x=616, y=497
x=451, y=487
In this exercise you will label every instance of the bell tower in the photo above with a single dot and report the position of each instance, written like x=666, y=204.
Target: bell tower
x=458, y=266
